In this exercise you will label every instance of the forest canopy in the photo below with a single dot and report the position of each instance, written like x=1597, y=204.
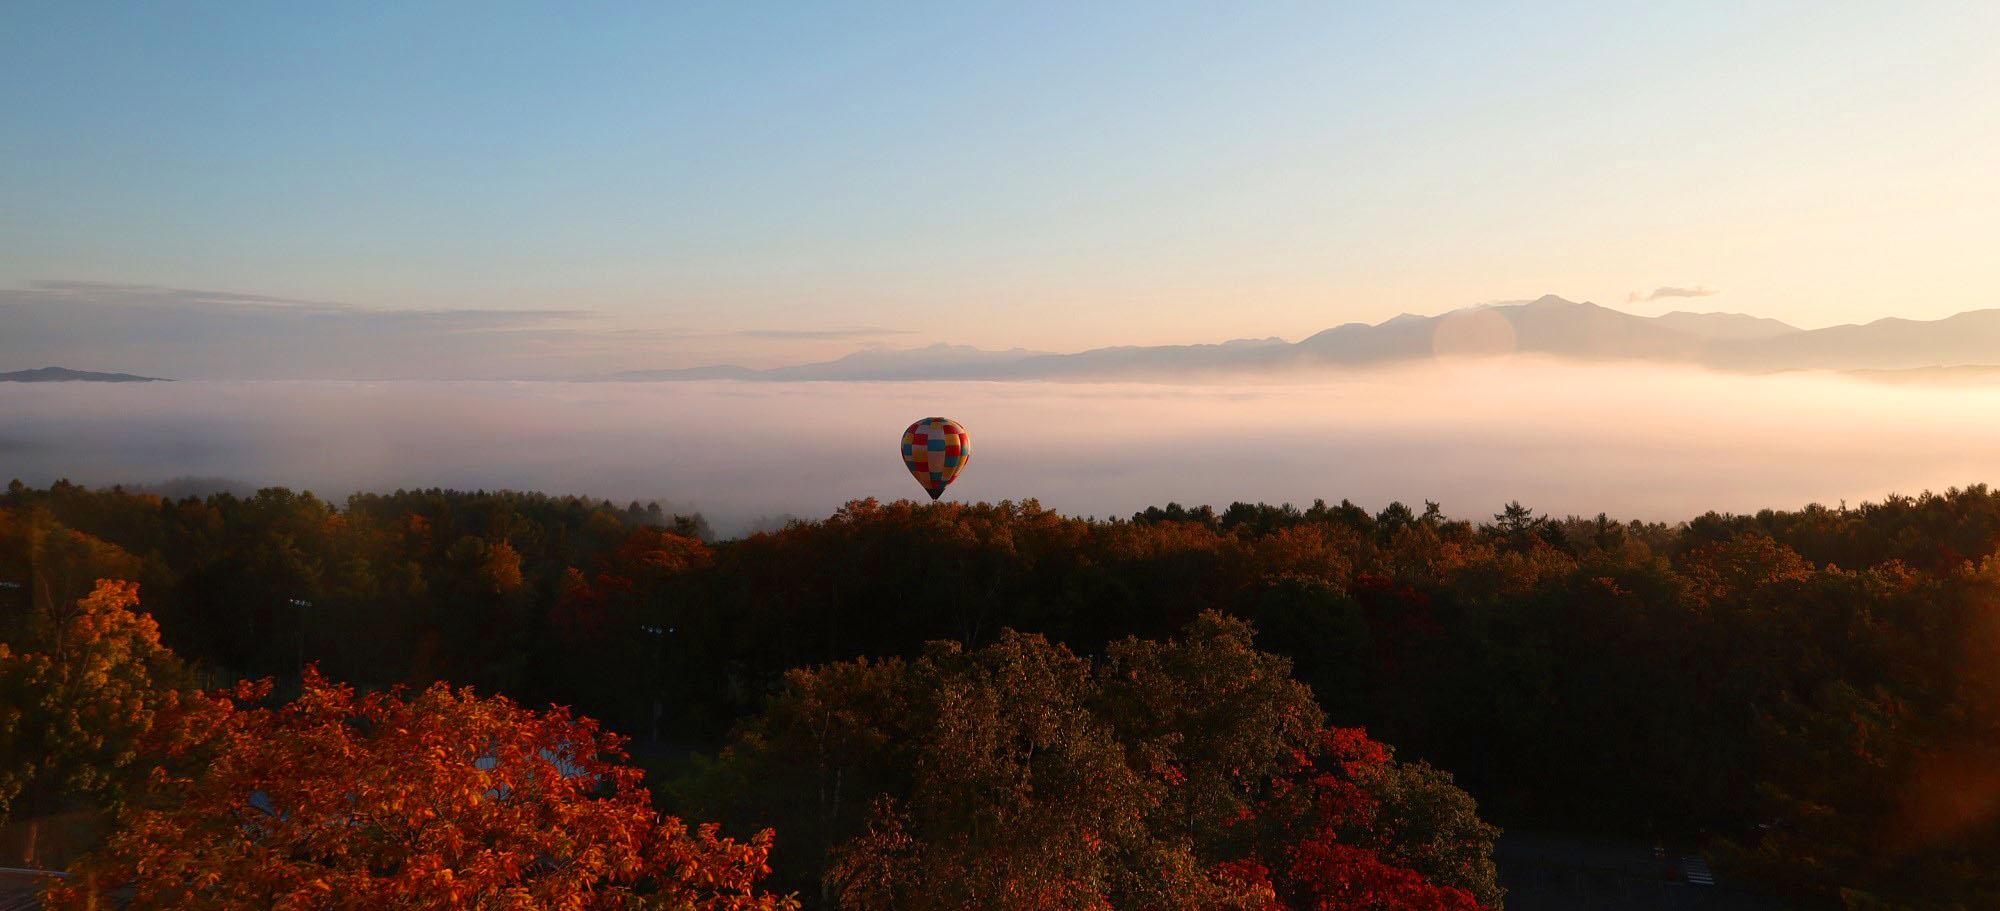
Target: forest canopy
x=1813, y=693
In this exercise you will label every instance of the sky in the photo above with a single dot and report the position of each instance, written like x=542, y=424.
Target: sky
x=682, y=184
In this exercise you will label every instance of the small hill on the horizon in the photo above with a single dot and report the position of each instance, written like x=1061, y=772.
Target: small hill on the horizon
x=1549, y=326
x=66, y=375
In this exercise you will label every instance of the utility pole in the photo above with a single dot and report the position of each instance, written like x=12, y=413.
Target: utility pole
x=659, y=655
x=27, y=607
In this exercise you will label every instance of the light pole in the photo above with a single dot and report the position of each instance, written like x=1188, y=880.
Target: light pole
x=301, y=604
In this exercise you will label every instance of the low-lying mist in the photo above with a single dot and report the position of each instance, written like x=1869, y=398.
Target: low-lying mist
x=1635, y=442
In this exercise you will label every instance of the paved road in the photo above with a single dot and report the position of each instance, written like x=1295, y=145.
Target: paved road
x=1547, y=872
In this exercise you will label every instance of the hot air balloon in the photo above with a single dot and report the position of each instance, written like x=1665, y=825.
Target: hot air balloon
x=935, y=450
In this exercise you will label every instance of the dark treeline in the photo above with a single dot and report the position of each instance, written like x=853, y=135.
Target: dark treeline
x=1818, y=690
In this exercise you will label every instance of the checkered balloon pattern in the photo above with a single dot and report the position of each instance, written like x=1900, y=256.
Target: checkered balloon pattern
x=934, y=450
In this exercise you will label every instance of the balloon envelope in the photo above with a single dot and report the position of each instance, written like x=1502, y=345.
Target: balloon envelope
x=935, y=450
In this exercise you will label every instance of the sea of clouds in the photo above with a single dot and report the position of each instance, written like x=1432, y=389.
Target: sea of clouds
x=1635, y=442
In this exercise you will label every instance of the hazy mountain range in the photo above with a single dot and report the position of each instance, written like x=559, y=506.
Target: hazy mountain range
x=1959, y=349
x=1549, y=326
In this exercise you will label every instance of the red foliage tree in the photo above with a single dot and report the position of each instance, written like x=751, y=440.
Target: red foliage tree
x=440, y=800
x=1342, y=832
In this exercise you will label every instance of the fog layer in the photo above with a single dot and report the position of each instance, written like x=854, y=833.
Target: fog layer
x=1636, y=442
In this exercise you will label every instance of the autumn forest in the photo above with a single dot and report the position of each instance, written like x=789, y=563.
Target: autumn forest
x=435, y=698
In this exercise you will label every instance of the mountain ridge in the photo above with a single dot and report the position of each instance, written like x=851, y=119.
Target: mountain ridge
x=1548, y=326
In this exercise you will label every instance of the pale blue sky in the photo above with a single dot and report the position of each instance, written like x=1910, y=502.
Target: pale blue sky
x=1047, y=175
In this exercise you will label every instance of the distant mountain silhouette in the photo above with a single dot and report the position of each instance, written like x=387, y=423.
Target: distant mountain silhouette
x=1725, y=325
x=66, y=375
x=1886, y=344
x=1548, y=326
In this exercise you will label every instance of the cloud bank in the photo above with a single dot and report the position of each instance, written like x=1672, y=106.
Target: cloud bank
x=184, y=333
x=822, y=334
x=1638, y=442
x=191, y=334
x=1665, y=292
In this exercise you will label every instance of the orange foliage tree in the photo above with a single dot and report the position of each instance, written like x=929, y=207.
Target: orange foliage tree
x=441, y=799
x=79, y=696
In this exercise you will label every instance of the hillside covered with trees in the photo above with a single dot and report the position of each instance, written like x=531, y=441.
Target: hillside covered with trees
x=991, y=705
